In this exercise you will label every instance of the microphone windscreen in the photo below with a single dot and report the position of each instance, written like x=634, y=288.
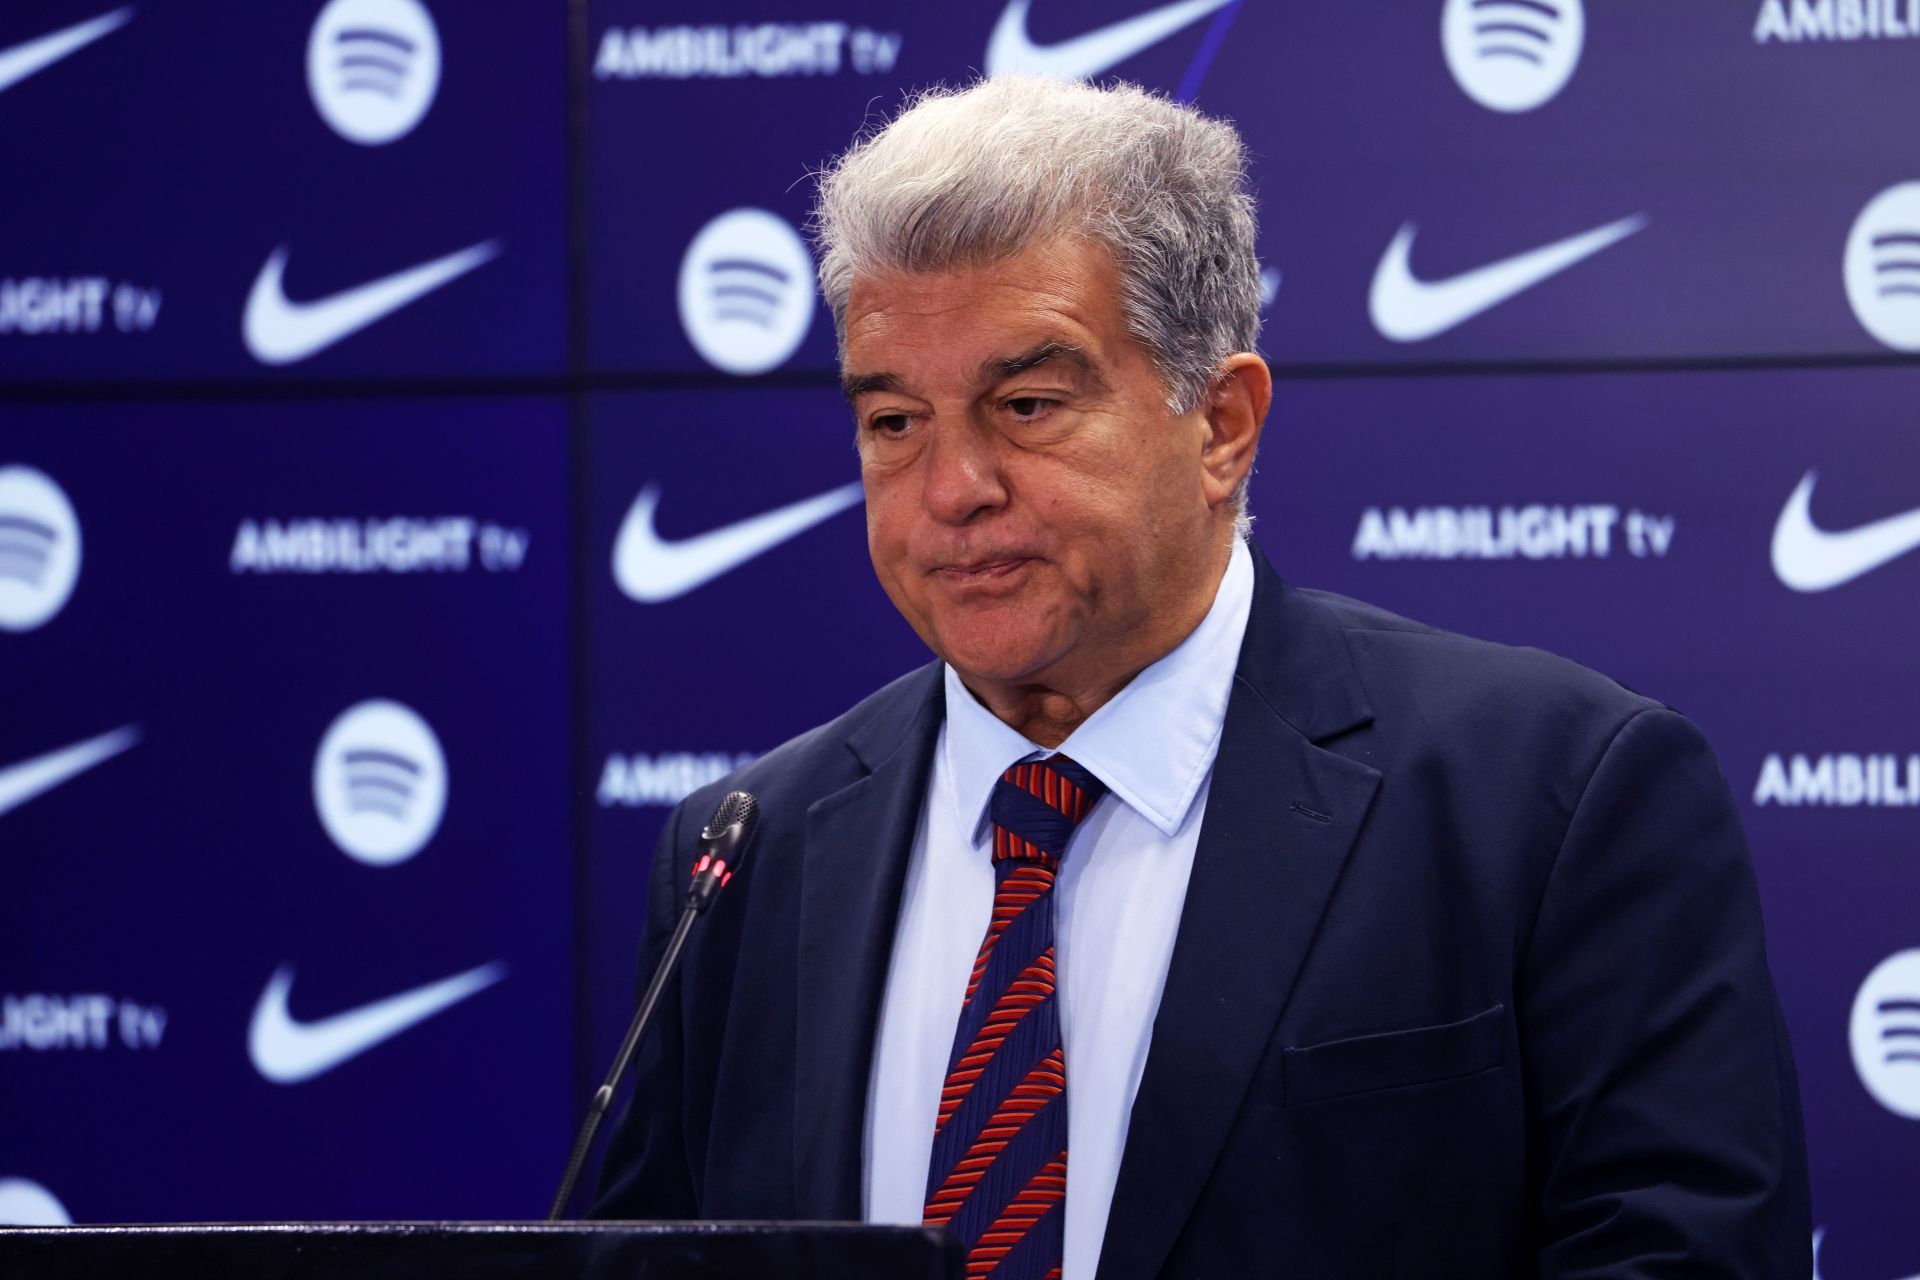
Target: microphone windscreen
x=738, y=809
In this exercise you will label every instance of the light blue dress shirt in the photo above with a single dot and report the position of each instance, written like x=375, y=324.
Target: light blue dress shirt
x=1116, y=910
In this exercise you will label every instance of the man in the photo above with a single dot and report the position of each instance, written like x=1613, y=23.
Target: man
x=1181, y=922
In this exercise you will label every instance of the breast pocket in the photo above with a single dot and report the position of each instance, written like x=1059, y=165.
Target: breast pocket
x=1395, y=1059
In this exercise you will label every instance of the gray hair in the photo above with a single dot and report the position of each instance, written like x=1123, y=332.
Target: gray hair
x=969, y=177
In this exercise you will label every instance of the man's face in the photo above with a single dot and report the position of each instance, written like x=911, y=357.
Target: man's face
x=1033, y=508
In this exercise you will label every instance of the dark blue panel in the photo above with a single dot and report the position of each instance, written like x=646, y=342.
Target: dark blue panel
x=216, y=630
x=688, y=123
x=158, y=171
x=1748, y=161
x=1713, y=458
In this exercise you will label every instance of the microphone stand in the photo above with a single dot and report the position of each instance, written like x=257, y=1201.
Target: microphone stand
x=723, y=851
x=603, y=1096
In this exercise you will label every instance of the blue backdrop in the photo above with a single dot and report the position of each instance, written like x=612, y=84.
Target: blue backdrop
x=369, y=369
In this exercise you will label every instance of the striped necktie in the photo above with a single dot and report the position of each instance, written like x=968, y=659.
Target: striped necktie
x=998, y=1177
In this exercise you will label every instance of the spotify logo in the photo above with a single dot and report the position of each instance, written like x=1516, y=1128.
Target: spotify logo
x=39, y=549
x=1512, y=55
x=373, y=67
x=380, y=782
x=746, y=291
x=1882, y=267
x=1884, y=1033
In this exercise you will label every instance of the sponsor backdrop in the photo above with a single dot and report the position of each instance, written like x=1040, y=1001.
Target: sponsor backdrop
x=420, y=466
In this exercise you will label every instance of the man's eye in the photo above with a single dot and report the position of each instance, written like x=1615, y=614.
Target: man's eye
x=889, y=424
x=1030, y=406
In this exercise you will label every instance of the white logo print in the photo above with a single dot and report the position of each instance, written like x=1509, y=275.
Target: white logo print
x=1406, y=309
x=39, y=549
x=1882, y=267
x=287, y=1052
x=279, y=331
x=22, y=60
x=373, y=67
x=746, y=291
x=30, y=779
x=1884, y=1033
x=1512, y=55
x=1010, y=50
x=28, y=1204
x=1820, y=1234
x=1808, y=558
x=651, y=570
x=380, y=782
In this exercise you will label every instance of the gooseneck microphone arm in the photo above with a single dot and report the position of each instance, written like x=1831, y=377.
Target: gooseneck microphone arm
x=723, y=850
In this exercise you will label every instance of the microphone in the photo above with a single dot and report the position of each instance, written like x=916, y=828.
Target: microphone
x=722, y=851
x=723, y=847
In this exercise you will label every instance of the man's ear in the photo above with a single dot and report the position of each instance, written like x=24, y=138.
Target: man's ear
x=1236, y=410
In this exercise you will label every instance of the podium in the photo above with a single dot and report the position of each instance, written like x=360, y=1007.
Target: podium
x=480, y=1251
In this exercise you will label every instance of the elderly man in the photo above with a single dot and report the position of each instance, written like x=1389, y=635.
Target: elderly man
x=1178, y=921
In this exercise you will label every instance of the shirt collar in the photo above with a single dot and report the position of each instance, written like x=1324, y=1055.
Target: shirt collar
x=1153, y=743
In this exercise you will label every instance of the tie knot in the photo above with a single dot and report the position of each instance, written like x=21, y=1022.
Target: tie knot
x=1037, y=804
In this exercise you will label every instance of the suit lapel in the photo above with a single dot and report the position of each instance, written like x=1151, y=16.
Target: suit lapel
x=859, y=840
x=1282, y=814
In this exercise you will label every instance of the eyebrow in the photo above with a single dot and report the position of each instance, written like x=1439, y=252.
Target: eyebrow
x=992, y=370
x=854, y=388
x=1000, y=368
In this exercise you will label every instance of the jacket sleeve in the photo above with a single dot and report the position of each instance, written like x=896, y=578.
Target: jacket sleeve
x=645, y=1173
x=1665, y=1131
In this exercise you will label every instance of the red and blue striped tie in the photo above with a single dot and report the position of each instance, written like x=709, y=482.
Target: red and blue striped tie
x=998, y=1177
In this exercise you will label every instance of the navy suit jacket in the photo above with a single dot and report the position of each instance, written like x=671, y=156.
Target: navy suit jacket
x=1469, y=982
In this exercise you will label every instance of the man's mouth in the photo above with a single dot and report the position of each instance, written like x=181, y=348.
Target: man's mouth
x=982, y=570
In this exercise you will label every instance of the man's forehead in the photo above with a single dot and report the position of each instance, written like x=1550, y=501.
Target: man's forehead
x=1060, y=269
x=1052, y=304
x=951, y=312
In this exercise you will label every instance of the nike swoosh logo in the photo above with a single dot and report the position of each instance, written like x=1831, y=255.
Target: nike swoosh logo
x=650, y=570
x=1809, y=558
x=1409, y=310
x=23, y=60
x=279, y=331
x=287, y=1052
x=1085, y=56
x=24, y=781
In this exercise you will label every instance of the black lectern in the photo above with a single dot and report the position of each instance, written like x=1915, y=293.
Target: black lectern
x=480, y=1251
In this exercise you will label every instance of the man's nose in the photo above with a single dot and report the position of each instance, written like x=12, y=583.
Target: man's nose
x=962, y=476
